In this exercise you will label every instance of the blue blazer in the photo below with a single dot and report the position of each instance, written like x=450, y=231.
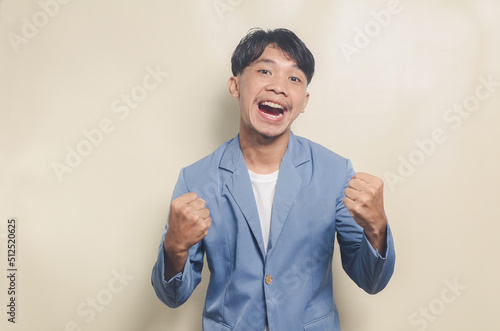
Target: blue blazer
x=291, y=285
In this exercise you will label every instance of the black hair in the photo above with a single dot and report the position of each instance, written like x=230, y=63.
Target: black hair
x=255, y=42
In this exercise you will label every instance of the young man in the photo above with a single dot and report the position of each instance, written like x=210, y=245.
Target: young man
x=264, y=208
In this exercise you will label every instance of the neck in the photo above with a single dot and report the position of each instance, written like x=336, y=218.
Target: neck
x=263, y=154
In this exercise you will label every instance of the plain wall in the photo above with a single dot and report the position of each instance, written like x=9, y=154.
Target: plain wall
x=406, y=97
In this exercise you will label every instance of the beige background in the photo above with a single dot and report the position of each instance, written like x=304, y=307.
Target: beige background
x=75, y=233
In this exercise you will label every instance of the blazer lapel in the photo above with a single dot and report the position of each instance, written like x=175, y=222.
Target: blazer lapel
x=287, y=187
x=240, y=187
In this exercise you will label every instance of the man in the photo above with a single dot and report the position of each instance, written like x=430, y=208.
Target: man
x=264, y=208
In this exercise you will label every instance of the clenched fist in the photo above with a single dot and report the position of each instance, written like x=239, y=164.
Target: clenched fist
x=364, y=198
x=188, y=223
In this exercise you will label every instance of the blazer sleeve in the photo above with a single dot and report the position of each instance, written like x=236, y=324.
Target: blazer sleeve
x=179, y=288
x=364, y=265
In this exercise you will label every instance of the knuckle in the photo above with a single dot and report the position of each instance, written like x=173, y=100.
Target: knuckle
x=199, y=204
x=185, y=210
x=195, y=217
x=191, y=195
x=175, y=204
x=365, y=201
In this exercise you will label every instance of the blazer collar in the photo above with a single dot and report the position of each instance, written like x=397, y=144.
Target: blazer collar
x=287, y=187
x=233, y=156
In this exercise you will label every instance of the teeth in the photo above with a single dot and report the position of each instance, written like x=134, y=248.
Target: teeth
x=272, y=104
x=280, y=115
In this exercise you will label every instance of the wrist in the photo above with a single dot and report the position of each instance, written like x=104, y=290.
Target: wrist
x=376, y=228
x=376, y=233
x=377, y=239
x=174, y=251
x=174, y=260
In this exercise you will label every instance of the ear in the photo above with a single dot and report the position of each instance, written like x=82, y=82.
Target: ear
x=306, y=101
x=234, y=87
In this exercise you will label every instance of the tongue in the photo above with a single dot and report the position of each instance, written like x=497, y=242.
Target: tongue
x=270, y=110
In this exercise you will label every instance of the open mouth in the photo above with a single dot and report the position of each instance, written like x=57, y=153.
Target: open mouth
x=272, y=109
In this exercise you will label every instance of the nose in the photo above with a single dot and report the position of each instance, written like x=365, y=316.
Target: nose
x=278, y=85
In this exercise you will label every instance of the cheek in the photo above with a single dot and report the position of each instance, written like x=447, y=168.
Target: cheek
x=245, y=108
x=302, y=102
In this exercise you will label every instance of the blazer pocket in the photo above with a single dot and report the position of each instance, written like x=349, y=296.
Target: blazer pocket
x=211, y=325
x=324, y=323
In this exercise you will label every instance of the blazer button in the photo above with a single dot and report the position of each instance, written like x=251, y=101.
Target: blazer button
x=269, y=279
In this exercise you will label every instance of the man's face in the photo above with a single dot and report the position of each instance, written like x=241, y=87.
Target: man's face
x=271, y=94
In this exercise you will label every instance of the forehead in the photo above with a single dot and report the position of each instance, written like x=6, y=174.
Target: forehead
x=274, y=55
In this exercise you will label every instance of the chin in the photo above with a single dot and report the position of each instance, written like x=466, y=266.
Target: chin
x=272, y=134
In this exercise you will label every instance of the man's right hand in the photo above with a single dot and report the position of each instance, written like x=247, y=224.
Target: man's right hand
x=188, y=223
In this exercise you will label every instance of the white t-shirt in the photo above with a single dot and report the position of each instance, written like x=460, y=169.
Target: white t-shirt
x=263, y=190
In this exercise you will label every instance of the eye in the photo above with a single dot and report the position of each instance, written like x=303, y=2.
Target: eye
x=264, y=71
x=295, y=79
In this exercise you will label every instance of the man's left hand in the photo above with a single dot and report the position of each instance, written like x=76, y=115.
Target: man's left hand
x=364, y=198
